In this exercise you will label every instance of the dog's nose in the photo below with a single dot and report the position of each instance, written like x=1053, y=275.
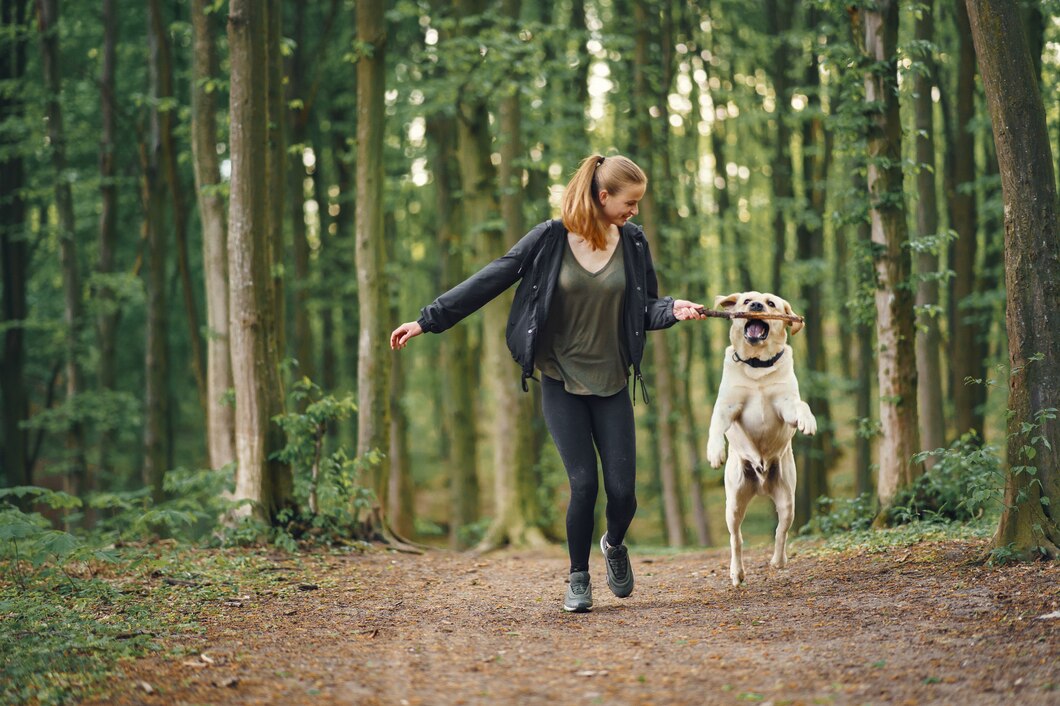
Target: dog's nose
x=757, y=306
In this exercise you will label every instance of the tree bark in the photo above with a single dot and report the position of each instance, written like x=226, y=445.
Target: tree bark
x=48, y=19
x=298, y=122
x=156, y=353
x=896, y=360
x=817, y=452
x=258, y=386
x=928, y=336
x=459, y=439
x=666, y=433
x=373, y=367
x=516, y=514
x=14, y=256
x=966, y=347
x=176, y=192
x=1030, y=521
x=778, y=20
x=401, y=512
x=220, y=417
x=275, y=171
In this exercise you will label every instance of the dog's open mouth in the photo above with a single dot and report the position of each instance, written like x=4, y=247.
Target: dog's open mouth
x=756, y=330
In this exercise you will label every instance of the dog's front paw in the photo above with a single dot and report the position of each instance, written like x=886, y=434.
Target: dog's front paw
x=716, y=451
x=806, y=422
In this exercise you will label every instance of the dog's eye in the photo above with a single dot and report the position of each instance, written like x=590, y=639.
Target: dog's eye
x=770, y=303
x=746, y=301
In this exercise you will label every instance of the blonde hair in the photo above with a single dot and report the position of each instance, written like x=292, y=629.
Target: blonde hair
x=581, y=204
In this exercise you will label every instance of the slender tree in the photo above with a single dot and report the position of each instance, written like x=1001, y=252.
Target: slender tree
x=778, y=20
x=666, y=433
x=373, y=369
x=276, y=168
x=220, y=417
x=152, y=194
x=516, y=516
x=14, y=253
x=1030, y=521
x=48, y=24
x=928, y=336
x=966, y=348
x=896, y=362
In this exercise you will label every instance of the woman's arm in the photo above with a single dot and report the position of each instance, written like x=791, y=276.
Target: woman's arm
x=472, y=294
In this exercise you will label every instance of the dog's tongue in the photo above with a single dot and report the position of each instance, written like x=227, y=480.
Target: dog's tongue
x=756, y=329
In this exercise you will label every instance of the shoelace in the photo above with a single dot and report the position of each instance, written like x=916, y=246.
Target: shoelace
x=616, y=559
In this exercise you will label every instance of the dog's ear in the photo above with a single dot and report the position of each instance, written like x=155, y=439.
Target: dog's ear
x=796, y=326
x=728, y=302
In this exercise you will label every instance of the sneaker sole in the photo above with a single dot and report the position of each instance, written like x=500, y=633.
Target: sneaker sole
x=579, y=609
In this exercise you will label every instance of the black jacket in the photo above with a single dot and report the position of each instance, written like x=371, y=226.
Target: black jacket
x=536, y=260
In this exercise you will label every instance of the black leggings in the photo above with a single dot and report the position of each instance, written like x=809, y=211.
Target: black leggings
x=576, y=422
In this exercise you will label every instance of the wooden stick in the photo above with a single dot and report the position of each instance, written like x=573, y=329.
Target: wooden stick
x=711, y=313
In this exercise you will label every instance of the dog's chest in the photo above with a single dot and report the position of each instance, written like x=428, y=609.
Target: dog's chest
x=762, y=425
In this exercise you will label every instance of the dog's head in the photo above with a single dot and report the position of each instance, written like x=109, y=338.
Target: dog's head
x=757, y=338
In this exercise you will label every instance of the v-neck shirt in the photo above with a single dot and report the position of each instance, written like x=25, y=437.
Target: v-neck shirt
x=581, y=341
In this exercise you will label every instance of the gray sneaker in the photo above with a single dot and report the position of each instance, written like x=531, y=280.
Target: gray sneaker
x=579, y=593
x=619, y=570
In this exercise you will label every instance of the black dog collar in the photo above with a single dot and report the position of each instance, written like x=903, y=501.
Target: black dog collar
x=758, y=362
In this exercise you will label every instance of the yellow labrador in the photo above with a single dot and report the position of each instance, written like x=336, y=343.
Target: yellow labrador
x=757, y=410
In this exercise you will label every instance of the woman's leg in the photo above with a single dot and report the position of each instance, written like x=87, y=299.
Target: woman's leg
x=569, y=422
x=615, y=435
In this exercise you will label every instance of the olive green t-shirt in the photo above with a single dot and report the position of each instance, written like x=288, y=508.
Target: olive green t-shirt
x=581, y=341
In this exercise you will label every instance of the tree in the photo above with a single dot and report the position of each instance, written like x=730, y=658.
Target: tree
x=928, y=336
x=373, y=369
x=896, y=362
x=516, y=513
x=14, y=253
x=220, y=417
x=1030, y=521
x=646, y=146
x=156, y=346
x=258, y=386
x=48, y=24
x=966, y=348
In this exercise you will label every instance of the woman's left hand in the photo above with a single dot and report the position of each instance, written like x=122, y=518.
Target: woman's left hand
x=685, y=310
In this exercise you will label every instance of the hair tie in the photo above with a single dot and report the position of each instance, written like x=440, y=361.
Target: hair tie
x=601, y=161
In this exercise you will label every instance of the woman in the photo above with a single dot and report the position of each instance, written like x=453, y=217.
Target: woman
x=588, y=292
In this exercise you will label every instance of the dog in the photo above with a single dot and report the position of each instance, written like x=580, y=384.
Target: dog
x=758, y=410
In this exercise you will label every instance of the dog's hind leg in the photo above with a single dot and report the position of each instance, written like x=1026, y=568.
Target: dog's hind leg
x=784, y=498
x=736, y=500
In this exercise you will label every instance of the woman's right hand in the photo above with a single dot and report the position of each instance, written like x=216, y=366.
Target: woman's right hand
x=403, y=334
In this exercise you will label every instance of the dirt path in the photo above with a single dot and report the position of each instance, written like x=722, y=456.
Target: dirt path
x=915, y=625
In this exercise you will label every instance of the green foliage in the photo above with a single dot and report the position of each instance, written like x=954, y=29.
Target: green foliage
x=965, y=482
x=327, y=490
x=836, y=515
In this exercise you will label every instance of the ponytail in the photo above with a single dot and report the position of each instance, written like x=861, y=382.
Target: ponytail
x=581, y=205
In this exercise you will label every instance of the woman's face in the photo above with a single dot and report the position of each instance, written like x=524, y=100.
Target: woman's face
x=620, y=206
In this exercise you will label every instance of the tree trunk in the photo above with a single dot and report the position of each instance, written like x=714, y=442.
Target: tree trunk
x=778, y=20
x=14, y=256
x=401, y=513
x=896, y=359
x=666, y=433
x=1030, y=521
x=817, y=452
x=373, y=369
x=48, y=19
x=275, y=170
x=516, y=516
x=258, y=386
x=220, y=417
x=298, y=120
x=928, y=337
x=459, y=440
x=966, y=347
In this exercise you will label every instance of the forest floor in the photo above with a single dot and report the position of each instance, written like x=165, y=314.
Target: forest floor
x=925, y=623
